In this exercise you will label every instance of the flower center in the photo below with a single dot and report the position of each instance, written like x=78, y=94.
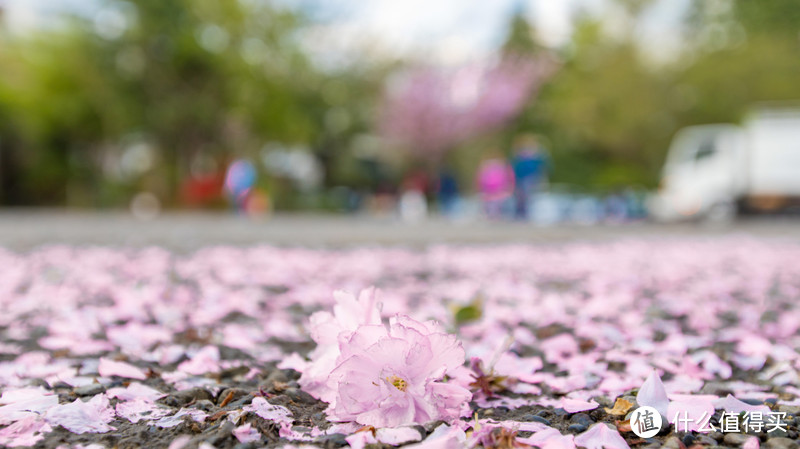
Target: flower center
x=398, y=382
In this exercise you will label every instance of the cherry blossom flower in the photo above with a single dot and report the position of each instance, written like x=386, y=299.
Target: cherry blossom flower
x=389, y=377
x=348, y=314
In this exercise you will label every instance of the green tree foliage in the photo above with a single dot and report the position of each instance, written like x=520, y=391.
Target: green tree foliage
x=777, y=18
x=610, y=112
x=193, y=80
x=187, y=77
x=608, y=107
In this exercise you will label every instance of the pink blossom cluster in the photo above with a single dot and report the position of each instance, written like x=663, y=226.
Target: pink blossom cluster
x=430, y=110
x=383, y=376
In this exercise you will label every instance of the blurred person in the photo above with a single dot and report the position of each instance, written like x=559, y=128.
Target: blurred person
x=530, y=171
x=239, y=181
x=447, y=192
x=635, y=203
x=205, y=184
x=413, y=203
x=495, y=182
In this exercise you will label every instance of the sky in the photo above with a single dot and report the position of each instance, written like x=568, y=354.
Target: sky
x=454, y=31
x=444, y=31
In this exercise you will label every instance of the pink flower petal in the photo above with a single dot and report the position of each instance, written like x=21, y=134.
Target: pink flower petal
x=140, y=409
x=22, y=402
x=653, y=394
x=731, y=404
x=180, y=442
x=81, y=417
x=398, y=436
x=108, y=367
x=601, y=436
x=751, y=443
x=549, y=439
x=177, y=418
x=135, y=390
x=697, y=409
x=359, y=440
x=25, y=432
x=246, y=434
x=205, y=361
x=264, y=409
x=443, y=437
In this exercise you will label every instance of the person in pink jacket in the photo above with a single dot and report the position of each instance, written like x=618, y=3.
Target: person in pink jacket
x=495, y=183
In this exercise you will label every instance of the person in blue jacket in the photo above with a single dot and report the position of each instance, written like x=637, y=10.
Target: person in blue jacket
x=530, y=166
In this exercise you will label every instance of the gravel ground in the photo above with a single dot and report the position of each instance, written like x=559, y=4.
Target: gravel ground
x=597, y=314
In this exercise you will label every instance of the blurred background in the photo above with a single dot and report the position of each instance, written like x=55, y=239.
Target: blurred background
x=537, y=110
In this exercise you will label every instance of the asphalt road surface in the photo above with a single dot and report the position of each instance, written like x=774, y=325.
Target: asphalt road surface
x=22, y=230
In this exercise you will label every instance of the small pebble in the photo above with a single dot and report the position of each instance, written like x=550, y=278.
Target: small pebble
x=332, y=441
x=184, y=397
x=223, y=432
x=203, y=404
x=735, y=439
x=582, y=419
x=672, y=443
x=780, y=443
x=789, y=409
x=40, y=383
x=576, y=428
x=298, y=395
x=228, y=353
x=89, y=389
x=706, y=440
x=250, y=445
x=239, y=403
x=275, y=376
x=688, y=439
x=716, y=388
x=752, y=401
x=431, y=426
x=716, y=435
x=536, y=418
x=235, y=393
x=779, y=432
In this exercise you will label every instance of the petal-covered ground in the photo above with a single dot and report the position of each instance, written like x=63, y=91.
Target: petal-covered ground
x=103, y=347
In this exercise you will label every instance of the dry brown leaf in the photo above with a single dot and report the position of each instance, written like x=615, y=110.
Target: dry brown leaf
x=621, y=407
x=624, y=426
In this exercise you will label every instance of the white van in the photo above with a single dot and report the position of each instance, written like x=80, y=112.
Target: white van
x=712, y=171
